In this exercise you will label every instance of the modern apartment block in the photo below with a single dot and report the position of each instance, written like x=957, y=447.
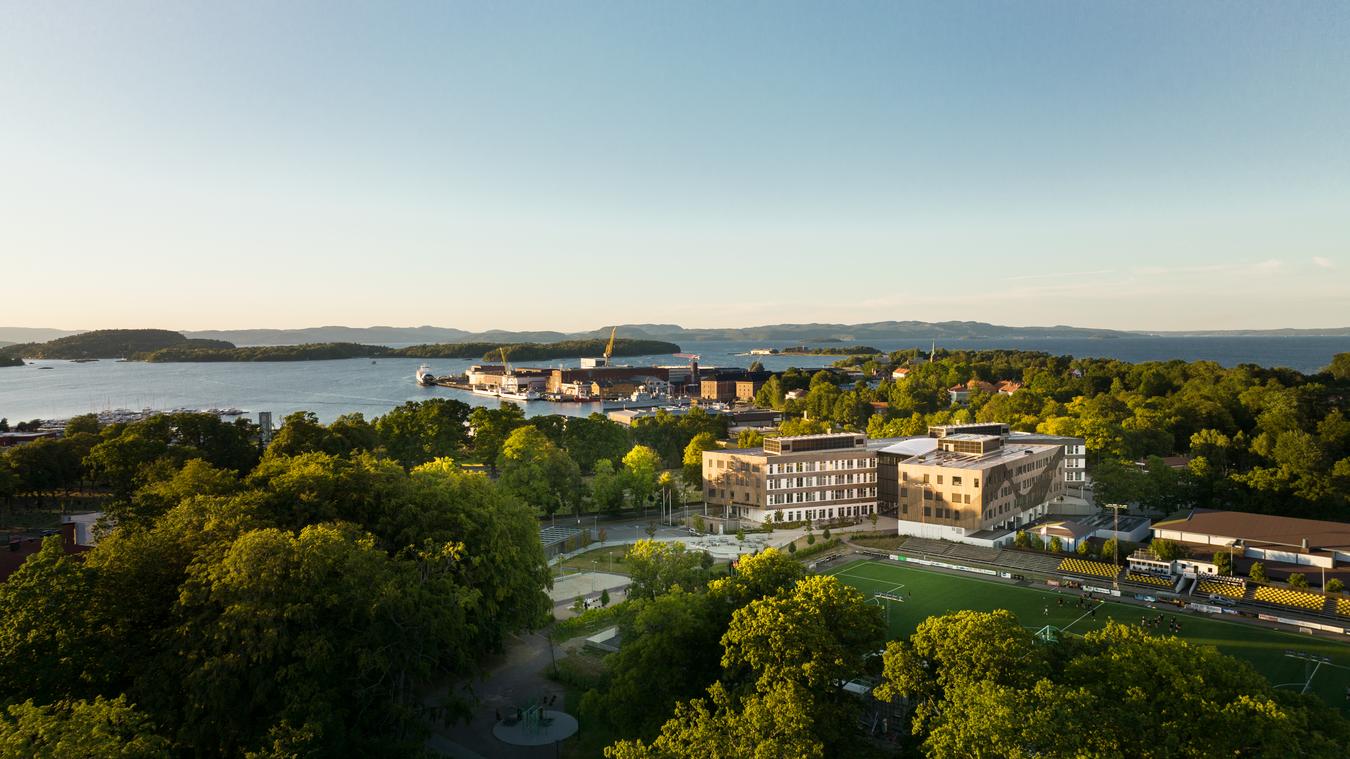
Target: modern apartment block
x=1077, y=496
x=969, y=487
x=808, y=477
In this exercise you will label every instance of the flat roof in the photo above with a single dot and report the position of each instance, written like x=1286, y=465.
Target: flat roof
x=954, y=460
x=1263, y=528
x=912, y=446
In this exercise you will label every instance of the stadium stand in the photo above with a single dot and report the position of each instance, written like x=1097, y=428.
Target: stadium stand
x=1343, y=607
x=916, y=546
x=1294, y=599
x=1231, y=590
x=974, y=553
x=1081, y=567
x=1147, y=579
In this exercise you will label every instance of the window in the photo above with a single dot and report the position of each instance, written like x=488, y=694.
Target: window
x=956, y=481
x=939, y=479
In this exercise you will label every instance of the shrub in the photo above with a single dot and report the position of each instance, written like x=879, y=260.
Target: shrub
x=1334, y=585
x=810, y=538
x=1257, y=572
x=792, y=547
x=1298, y=580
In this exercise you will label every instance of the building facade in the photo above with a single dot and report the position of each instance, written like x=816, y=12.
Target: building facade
x=794, y=479
x=969, y=483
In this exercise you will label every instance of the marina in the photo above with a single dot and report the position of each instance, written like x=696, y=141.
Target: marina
x=52, y=389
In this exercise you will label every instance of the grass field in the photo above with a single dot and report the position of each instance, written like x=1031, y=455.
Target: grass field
x=927, y=593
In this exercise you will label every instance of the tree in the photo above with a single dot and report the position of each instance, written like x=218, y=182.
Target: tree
x=1083, y=548
x=1298, y=580
x=300, y=432
x=700, y=525
x=1167, y=550
x=810, y=538
x=1056, y=545
x=792, y=547
x=82, y=424
x=670, y=653
x=590, y=439
x=602, y=535
x=1223, y=562
x=774, y=724
x=1109, y=548
x=873, y=518
x=418, y=432
x=981, y=686
x=1334, y=585
x=606, y=487
x=1339, y=368
x=693, y=457
x=491, y=427
x=170, y=487
x=641, y=466
x=657, y=566
x=749, y=439
x=812, y=637
x=1257, y=573
x=109, y=729
x=825, y=533
x=542, y=475
x=604, y=597
x=50, y=646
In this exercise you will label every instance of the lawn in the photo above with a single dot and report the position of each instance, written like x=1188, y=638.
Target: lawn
x=609, y=559
x=927, y=593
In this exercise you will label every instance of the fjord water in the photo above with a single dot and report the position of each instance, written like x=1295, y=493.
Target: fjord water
x=332, y=388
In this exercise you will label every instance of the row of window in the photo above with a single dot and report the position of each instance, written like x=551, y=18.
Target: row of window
x=780, y=499
x=956, y=479
x=860, y=510
x=937, y=495
x=779, y=483
x=828, y=465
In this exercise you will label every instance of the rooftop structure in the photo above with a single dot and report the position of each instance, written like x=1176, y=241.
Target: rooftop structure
x=1288, y=540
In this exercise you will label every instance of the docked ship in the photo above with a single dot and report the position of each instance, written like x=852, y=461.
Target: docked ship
x=424, y=376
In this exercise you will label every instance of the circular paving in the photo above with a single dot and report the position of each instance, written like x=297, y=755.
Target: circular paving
x=553, y=727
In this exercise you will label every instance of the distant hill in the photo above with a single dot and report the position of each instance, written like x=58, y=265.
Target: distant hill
x=108, y=343
x=12, y=335
x=798, y=334
x=1328, y=332
x=316, y=335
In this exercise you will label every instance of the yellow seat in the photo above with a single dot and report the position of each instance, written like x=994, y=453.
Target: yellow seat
x=1296, y=599
x=1228, y=589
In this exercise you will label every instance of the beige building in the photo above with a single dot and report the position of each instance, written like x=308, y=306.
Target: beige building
x=964, y=485
x=794, y=479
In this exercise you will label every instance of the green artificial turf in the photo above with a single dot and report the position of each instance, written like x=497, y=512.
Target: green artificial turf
x=927, y=593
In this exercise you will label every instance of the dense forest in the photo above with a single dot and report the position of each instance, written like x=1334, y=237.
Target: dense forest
x=1256, y=439
x=476, y=350
x=109, y=343
x=297, y=603
x=310, y=352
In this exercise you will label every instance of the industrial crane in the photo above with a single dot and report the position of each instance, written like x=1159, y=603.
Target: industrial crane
x=609, y=349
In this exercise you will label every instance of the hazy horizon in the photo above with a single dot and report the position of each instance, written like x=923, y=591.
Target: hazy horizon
x=537, y=166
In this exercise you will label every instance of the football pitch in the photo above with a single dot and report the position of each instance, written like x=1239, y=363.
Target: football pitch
x=927, y=593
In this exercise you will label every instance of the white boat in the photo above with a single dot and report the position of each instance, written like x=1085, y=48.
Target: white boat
x=424, y=376
x=529, y=394
x=488, y=390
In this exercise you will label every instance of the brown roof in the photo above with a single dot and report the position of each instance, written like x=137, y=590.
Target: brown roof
x=1264, y=528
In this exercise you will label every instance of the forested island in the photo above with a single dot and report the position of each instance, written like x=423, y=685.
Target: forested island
x=109, y=343
x=475, y=350
x=165, y=346
x=833, y=350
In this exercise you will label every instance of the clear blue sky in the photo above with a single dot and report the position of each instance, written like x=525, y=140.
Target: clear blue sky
x=570, y=165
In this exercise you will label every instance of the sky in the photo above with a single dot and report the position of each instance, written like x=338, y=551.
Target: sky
x=567, y=165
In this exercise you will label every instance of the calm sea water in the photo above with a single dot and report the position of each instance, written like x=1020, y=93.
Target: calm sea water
x=331, y=388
